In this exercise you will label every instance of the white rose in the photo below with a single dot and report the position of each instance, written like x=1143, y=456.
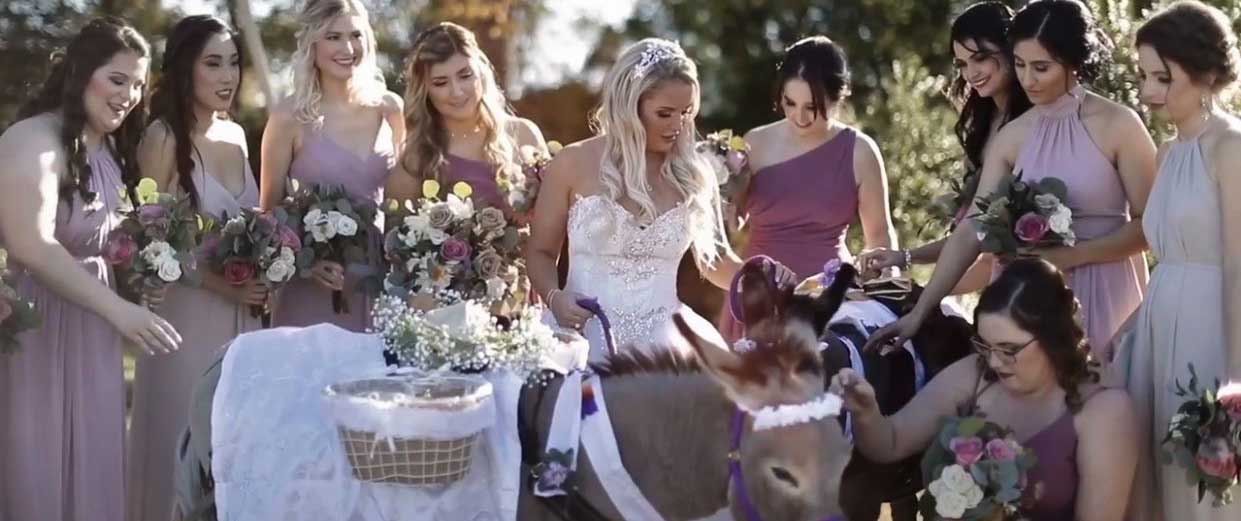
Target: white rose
x=496, y=288
x=1046, y=201
x=418, y=224
x=1061, y=220
x=527, y=153
x=155, y=251
x=320, y=225
x=438, y=236
x=312, y=217
x=956, y=479
x=973, y=496
x=950, y=505
x=169, y=270
x=346, y=226
x=279, y=271
x=287, y=255
x=461, y=208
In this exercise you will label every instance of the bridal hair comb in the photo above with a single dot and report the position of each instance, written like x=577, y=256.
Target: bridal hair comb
x=654, y=54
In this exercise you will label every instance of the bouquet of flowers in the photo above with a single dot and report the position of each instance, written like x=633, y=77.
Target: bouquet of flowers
x=446, y=250
x=16, y=315
x=334, y=228
x=730, y=156
x=1025, y=215
x=156, y=240
x=253, y=245
x=975, y=471
x=464, y=337
x=1204, y=436
x=521, y=187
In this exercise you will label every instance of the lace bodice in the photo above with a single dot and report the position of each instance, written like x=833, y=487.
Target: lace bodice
x=630, y=267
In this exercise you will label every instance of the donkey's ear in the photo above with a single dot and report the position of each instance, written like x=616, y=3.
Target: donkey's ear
x=722, y=363
x=830, y=299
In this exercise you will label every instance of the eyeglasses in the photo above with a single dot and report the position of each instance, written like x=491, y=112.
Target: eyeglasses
x=1006, y=356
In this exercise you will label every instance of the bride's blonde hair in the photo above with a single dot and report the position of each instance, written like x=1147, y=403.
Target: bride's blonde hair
x=641, y=68
x=314, y=19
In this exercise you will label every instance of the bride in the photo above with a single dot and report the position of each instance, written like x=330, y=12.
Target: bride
x=631, y=201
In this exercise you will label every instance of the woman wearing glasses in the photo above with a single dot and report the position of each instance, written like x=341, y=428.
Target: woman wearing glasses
x=1030, y=374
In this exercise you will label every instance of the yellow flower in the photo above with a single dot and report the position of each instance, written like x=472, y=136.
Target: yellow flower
x=738, y=144
x=148, y=191
x=554, y=147
x=430, y=188
x=462, y=189
x=391, y=206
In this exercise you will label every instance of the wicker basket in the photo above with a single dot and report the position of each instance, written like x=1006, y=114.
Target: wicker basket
x=415, y=431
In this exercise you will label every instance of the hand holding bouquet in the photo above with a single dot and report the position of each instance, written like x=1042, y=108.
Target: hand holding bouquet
x=975, y=470
x=156, y=241
x=254, y=246
x=1025, y=215
x=16, y=315
x=1204, y=436
x=334, y=229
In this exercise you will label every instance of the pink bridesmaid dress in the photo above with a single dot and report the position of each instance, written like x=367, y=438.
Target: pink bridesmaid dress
x=1060, y=146
x=62, y=395
x=303, y=302
x=164, y=384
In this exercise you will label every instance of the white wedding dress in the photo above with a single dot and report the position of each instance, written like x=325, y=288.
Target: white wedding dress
x=630, y=268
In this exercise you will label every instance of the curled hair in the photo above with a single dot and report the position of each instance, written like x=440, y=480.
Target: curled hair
x=1068, y=31
x=424, y=155
x=1034, y=293
x=314, y=19
x=63, y=90
x=983, y=22
x=623, y=166
x=822, y=64
x=1197, y=37
x=172, y=100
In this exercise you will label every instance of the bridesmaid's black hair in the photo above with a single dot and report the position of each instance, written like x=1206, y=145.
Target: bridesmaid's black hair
x=1068, y=31
x=819, y=62
x=1197, y=37
x=983, y=22
x=173, y=99
x=1035, y=294
x=63, y=90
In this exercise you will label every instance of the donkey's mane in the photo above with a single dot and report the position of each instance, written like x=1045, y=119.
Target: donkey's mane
x=631, y=362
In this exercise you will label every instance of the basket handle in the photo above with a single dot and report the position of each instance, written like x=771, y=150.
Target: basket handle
x=592, y=305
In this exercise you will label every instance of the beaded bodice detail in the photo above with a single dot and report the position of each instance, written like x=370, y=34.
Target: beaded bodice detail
x=630, y=267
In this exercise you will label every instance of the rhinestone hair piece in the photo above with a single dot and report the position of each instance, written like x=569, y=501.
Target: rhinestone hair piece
x=653, y=55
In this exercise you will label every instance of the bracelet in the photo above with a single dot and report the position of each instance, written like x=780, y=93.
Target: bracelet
x=909, y=259
x=551, y=294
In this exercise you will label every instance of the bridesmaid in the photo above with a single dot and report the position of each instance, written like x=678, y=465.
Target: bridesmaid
x=1097, y=146
x=987, y=92
x=191, y=147
x=1187, y=54
x=813, y=173
x=1030, y=373
x=341, y=126
x=62, y=396
x=460, y=125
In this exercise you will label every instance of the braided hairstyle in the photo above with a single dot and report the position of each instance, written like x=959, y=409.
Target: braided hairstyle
x=1034, y=293
x=63, y=90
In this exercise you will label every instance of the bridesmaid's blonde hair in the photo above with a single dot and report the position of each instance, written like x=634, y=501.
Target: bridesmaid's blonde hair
x=314, y=19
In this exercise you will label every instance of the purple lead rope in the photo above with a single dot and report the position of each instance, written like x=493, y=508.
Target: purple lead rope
x=592, y=305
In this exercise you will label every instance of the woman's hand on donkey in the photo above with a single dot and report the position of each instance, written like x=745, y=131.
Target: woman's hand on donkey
x=857, y=393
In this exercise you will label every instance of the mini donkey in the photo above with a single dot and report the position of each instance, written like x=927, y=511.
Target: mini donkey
x=674, y=418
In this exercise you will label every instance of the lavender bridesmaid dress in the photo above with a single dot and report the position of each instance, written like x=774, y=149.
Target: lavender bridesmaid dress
x=800, y=211
x=303, y=302
x=1060, y=146
x=164, y=384
x=480, y=176
x=62, y=396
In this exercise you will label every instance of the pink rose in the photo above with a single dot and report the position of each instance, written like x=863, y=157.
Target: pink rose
x=238, y=272
x=120, y=248
x=1230, y=398
x=968, y=450
x=1001, y=450
x=289, y=238
x=1031, y=227
x=5, y=309
x=736, y=160
x=455, y=249
x=1216, y=459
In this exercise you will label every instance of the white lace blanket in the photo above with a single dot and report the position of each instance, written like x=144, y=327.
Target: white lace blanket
x=276, y=456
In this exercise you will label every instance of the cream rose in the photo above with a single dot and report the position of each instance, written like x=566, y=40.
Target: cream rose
x=169, y=269
x=279, y=271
